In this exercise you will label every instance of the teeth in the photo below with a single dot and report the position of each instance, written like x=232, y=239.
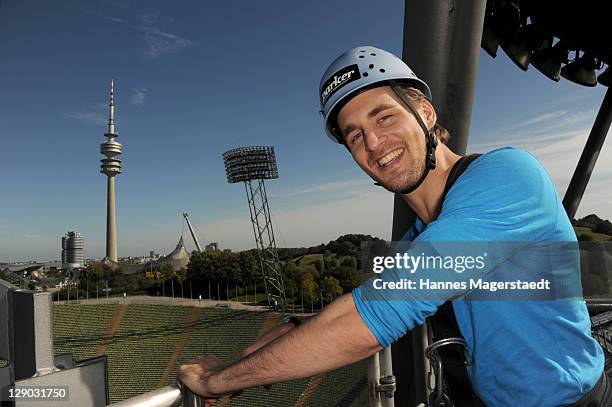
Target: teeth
x=390, y=157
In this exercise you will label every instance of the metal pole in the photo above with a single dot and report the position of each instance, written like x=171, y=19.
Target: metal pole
x=386, y=375
x=589, y=156
x=163, y=397
x=454, y=33
x=373, y=376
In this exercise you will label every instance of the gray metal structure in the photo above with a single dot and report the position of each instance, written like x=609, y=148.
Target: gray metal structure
x=73, y=250
x=252, y=165
x=193, y=235
x=111, y=167
x=589, y=156
x=381, y=382
x=442, y=46
x=530, y=34
x=26, y=343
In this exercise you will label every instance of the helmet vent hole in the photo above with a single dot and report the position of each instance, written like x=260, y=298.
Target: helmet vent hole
x=371, y=66
x=365, y=74
x=361, y=50
x=373, y=54
x=382, y=70
x=360, y=56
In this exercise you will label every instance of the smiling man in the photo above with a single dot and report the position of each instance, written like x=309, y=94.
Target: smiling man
x=522, y=352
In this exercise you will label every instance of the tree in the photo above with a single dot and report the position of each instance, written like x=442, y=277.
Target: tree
x=309, y=287
x=331, y=287
x=349, y=262
x=167, y=271
x=330, y=263
x=319, y=265
x=604, y=227
x=349, y=278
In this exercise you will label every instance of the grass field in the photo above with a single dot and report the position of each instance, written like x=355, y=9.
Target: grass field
x=150, y=342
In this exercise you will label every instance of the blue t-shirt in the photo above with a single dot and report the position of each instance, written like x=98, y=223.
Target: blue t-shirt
x=524, y=353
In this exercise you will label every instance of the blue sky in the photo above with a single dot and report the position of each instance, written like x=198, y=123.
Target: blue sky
x=194, y=79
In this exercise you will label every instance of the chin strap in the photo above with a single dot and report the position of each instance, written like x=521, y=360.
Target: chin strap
x=432, y=142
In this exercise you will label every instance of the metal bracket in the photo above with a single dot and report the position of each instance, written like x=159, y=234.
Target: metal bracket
x=386, y=386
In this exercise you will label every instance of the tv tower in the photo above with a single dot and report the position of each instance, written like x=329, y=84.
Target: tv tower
x=111, y=166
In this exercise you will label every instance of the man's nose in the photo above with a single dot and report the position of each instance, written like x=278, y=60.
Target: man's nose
x=372, y=139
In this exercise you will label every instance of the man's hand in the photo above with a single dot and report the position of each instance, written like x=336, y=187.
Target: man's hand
x=194, y=374
x=337, y=336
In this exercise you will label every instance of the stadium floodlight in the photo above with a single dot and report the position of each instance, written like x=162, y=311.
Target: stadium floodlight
x=518, y=53
x=520, y=47
x=604, y=78
x=490, y=41
x=548, y=60
x=249, y=163
x=581, y=71
x=252, y=165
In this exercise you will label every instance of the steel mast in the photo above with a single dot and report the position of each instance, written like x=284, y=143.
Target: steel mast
x=193, y=235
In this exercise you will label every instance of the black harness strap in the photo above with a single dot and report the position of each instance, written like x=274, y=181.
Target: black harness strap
x=444, y=325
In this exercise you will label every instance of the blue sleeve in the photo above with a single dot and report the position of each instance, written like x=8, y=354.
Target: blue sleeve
x=504, y=195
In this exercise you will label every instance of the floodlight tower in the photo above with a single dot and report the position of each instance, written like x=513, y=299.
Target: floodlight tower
x=111, y=166
x=252, y=165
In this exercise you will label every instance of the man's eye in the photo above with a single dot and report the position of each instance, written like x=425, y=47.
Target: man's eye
x=385, y=117
x=355, y=138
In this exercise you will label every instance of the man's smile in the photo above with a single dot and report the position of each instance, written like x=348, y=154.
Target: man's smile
x=389, y=157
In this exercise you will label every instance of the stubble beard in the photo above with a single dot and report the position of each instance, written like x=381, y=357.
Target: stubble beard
x=407, y=178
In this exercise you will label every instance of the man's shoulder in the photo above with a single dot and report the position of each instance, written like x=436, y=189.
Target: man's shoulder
x=503, y=168
x=504, y=181
x=509, y=159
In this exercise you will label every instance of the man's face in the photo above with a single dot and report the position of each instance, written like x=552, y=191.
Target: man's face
x=384, y=138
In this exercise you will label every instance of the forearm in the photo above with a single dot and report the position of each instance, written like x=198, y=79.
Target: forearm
x=334, y=338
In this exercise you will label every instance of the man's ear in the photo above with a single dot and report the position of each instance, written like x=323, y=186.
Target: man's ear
x=428, y=113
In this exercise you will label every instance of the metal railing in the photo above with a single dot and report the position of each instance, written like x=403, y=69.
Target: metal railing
x=169, y=396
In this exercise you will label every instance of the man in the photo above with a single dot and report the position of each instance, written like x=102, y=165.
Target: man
x=527, y=354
